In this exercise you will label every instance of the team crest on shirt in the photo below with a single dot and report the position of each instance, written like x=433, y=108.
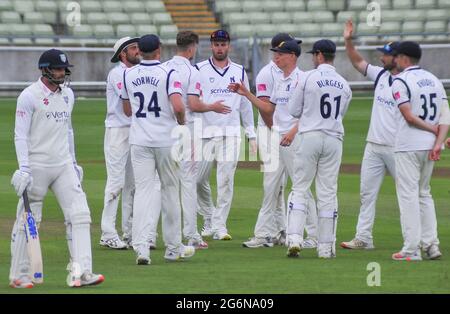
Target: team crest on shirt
x=397, y=96
x=211, y=79
x=66, y=99
x=288, y=87
x=45, y=101
x=232, y=79
x=63, y=57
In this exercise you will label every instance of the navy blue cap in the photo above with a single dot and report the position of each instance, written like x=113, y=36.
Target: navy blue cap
x=323, y=46
x=220, y=35
x=280, y=37
x=290, y=46
x=149, y=43
x=55, y=59
x=389, y=48
x=410, y=49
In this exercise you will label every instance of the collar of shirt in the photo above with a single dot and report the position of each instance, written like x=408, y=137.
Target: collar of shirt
x=45, y=89
x=181, y=59
x=326, y=66
x=150, y=62
x=412, y=67
x=217, y=68
x=291, y=76
x=122, y=65
x=275, y=67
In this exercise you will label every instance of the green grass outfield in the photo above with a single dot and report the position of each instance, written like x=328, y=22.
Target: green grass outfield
x=226, y=267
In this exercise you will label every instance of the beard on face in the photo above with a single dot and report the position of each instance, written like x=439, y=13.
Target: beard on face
x=133, y=59
x=220, y=57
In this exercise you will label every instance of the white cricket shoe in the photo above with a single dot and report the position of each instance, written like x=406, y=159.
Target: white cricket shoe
x=114, y=243
x=294, y=246
x=280, y=239
x=207, y=231
x=187, y=251
x=91, y=279
x=257, y=242
x=326, y=250
x=24, y=282
x=433, y=252
x=309, y=243
x=401, y=256
x=143, y=260
x=199, y=244
x=223, y=236
x=357, y=244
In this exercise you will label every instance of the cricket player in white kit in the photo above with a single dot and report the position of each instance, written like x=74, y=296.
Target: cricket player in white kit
x=271, y=223
x=155, y=95
x=320, y=100
x=187, y=42
x=221, y=136
x=120, y=179
x=422, y=128
x=45, y=151
x=379, y=151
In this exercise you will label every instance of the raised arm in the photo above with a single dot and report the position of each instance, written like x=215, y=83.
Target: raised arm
x=355, y=57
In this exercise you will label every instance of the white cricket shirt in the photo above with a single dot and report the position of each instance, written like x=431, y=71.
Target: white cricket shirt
x=42, y=127
x=148, y=86
x=427, y=96
x=320, y=100
x=190, y=81
x=281, y=93
x=383, y=121
x=115, y=117
x=214, y=82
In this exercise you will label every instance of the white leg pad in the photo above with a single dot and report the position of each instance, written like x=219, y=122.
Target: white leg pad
x=80, y=219
x=327, y=226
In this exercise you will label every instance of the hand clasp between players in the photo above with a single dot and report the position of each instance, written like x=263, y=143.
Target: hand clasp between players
x=21, y=180
x=220, y=107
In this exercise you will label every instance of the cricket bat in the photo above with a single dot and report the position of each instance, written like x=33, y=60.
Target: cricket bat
x=33, y=244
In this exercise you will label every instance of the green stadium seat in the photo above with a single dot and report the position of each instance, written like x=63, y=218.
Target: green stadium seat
x=132, y=6
x=301, y=17
x=104, y=31
x=258, y=17
x=412, y=27
x=343, y=16
x=294, y=5
x=309, y=29
x=146, y=29
x=388, y=28
x=281, y=17
x=228, y=6
x=124, y=30
x=437, y=15
x=443, y=4
x=21, y=30
x=266, y=30
x=237, y=18
x=162, y=18
x=364, y=29
x=336, y=5
x=323, y=16
x=141, y=18
x=5, y=30
x=402, y=4
x=316, y=5
x=10, y=17
x=22, y=6
x=251, y=6
x=96, y=18
x=33, y=18
x=416, y=38
x=357, y=5
x=292, y=29
x=46, y=6
x=112, y=6
x=435, y=27
x=393, y=16
x=155, y=6
x=6, y=5
x=273, y=5
x=414, y=15
x=50, y=17
x=116, y=18
x=331, y=29
x=168, y=31
x=82, y=31
x=88, y=6
x=43, y=30
x=242, y=30
x=384, y=4
x=425, y=4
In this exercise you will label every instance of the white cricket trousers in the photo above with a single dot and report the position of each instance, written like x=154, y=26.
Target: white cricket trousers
x=225, y=150
x=318, y=156
x=417, y=212
x=66, y=186
x=272, y=214
x=119, y=180
x=377, y=159
x=147, y=161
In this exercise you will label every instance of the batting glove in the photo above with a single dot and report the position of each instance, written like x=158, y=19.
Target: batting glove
x=20, y=181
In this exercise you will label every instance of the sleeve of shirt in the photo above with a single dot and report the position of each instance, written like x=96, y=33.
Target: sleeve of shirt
x=400, y=91
x=194, y=88
x=115, y=82
x=24, y=114
x=372, y=72
x=246, y=111
x=264, y=84
x=124, y=92
x=295, y=104
x=174, y=83
x=445, y=113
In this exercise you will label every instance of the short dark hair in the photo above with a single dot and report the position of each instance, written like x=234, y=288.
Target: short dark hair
x=328, y=56
x=186, y=39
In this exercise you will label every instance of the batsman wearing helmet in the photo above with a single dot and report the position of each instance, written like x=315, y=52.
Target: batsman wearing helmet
x=45, y=151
